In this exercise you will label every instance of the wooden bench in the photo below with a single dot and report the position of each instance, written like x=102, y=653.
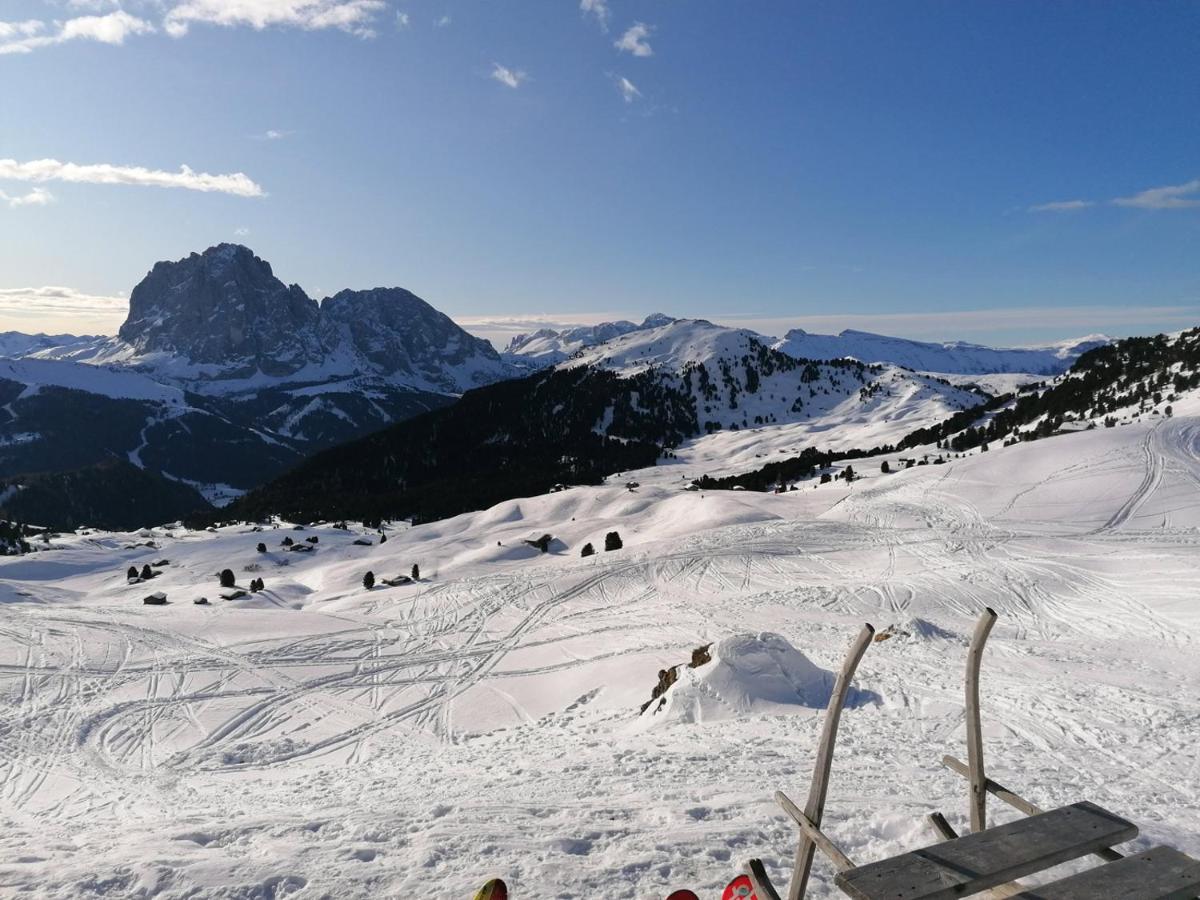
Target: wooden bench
x=987, y=859
x=1162, y=872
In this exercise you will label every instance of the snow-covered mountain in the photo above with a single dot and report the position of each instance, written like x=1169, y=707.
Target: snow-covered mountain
x=950, y=357
x=547, y=347
x=223, y=375
x=646, y=396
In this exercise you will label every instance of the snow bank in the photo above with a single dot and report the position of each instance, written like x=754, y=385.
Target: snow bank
x=750, y=674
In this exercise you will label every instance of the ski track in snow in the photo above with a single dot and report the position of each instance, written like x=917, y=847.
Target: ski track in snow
x=320, y=740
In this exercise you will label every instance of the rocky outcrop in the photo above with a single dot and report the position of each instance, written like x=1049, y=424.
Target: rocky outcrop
x=222, y=314
x=224, y=308
x=393, y=332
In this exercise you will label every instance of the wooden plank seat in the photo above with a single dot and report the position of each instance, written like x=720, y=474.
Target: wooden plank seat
x=1161, y=873
x=985, y=859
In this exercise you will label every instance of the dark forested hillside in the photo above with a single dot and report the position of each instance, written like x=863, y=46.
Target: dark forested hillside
x=510, y=439
x=112, y=494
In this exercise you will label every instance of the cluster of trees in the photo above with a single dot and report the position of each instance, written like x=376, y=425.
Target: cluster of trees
x=612, y=541
x=12, y=539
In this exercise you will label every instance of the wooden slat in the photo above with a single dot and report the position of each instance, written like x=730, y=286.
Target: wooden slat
x=814, y=834
x=1158, y=874
x=989, y=858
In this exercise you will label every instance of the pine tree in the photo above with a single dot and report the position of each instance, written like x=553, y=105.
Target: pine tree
x=612, y=541
x=262, y=548
x=369, y=580
x=588, y=550
x=132, y=572
x=147, y=574
x=416, y=572
x=227, y=579
x=884, y=467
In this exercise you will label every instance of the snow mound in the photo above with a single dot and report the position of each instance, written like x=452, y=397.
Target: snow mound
x=749, y=674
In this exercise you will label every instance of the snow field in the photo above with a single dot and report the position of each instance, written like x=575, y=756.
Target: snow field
x=319, y=740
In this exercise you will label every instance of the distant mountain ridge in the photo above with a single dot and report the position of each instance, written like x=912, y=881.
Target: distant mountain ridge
x=950, y=357
x=547, y=347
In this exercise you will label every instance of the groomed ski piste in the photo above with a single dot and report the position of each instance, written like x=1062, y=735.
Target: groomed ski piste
x=319, y=739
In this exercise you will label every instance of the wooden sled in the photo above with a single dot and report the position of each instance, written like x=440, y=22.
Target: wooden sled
x=987, y=859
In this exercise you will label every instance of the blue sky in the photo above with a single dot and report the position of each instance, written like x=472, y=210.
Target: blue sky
x=1007, y=172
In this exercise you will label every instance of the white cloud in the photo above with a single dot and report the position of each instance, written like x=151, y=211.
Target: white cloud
x=242, y=231
x=629, y=91
x=24, y=37
x=273, y=134
x=1178, y=196
x=60, y=309
x=597, y=9
x=36, y=197
x=513, y=78
x=41, y=170
x=402, y=20
x=1062, y=206
x=634, y=40
x=354, y=16
x=442, y=22
x=28, y=28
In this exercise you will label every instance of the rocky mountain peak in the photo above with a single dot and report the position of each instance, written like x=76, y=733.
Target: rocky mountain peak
x=224, y=307
x=396, y=333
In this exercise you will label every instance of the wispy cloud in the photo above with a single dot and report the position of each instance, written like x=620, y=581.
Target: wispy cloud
x=1177, y=196
x=598, y=10
x=1062, y=206
x=241, y=231
x=12, y=30
x=353, y=16
x=634, y=40
x=629, y=91
x=512, y=78
x=1173, y=196
x=273, y=134
x=442, y=22
x=403, y=20
x=114, y=28
x=60, y=308
x=36, y=197
x=42, y=170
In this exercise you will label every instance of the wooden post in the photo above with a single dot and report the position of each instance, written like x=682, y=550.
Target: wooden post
x=978, y=780
x=814, y=809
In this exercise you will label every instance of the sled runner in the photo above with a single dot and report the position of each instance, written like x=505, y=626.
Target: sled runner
x=495, y=889
x=987, y=859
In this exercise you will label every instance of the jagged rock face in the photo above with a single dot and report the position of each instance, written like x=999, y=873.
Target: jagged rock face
x=224, y=307
x=397, y=333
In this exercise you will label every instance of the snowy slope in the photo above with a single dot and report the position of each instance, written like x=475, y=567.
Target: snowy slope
x=548, y=347
x=956, y=357
x=323, y=739
x=820, y=404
